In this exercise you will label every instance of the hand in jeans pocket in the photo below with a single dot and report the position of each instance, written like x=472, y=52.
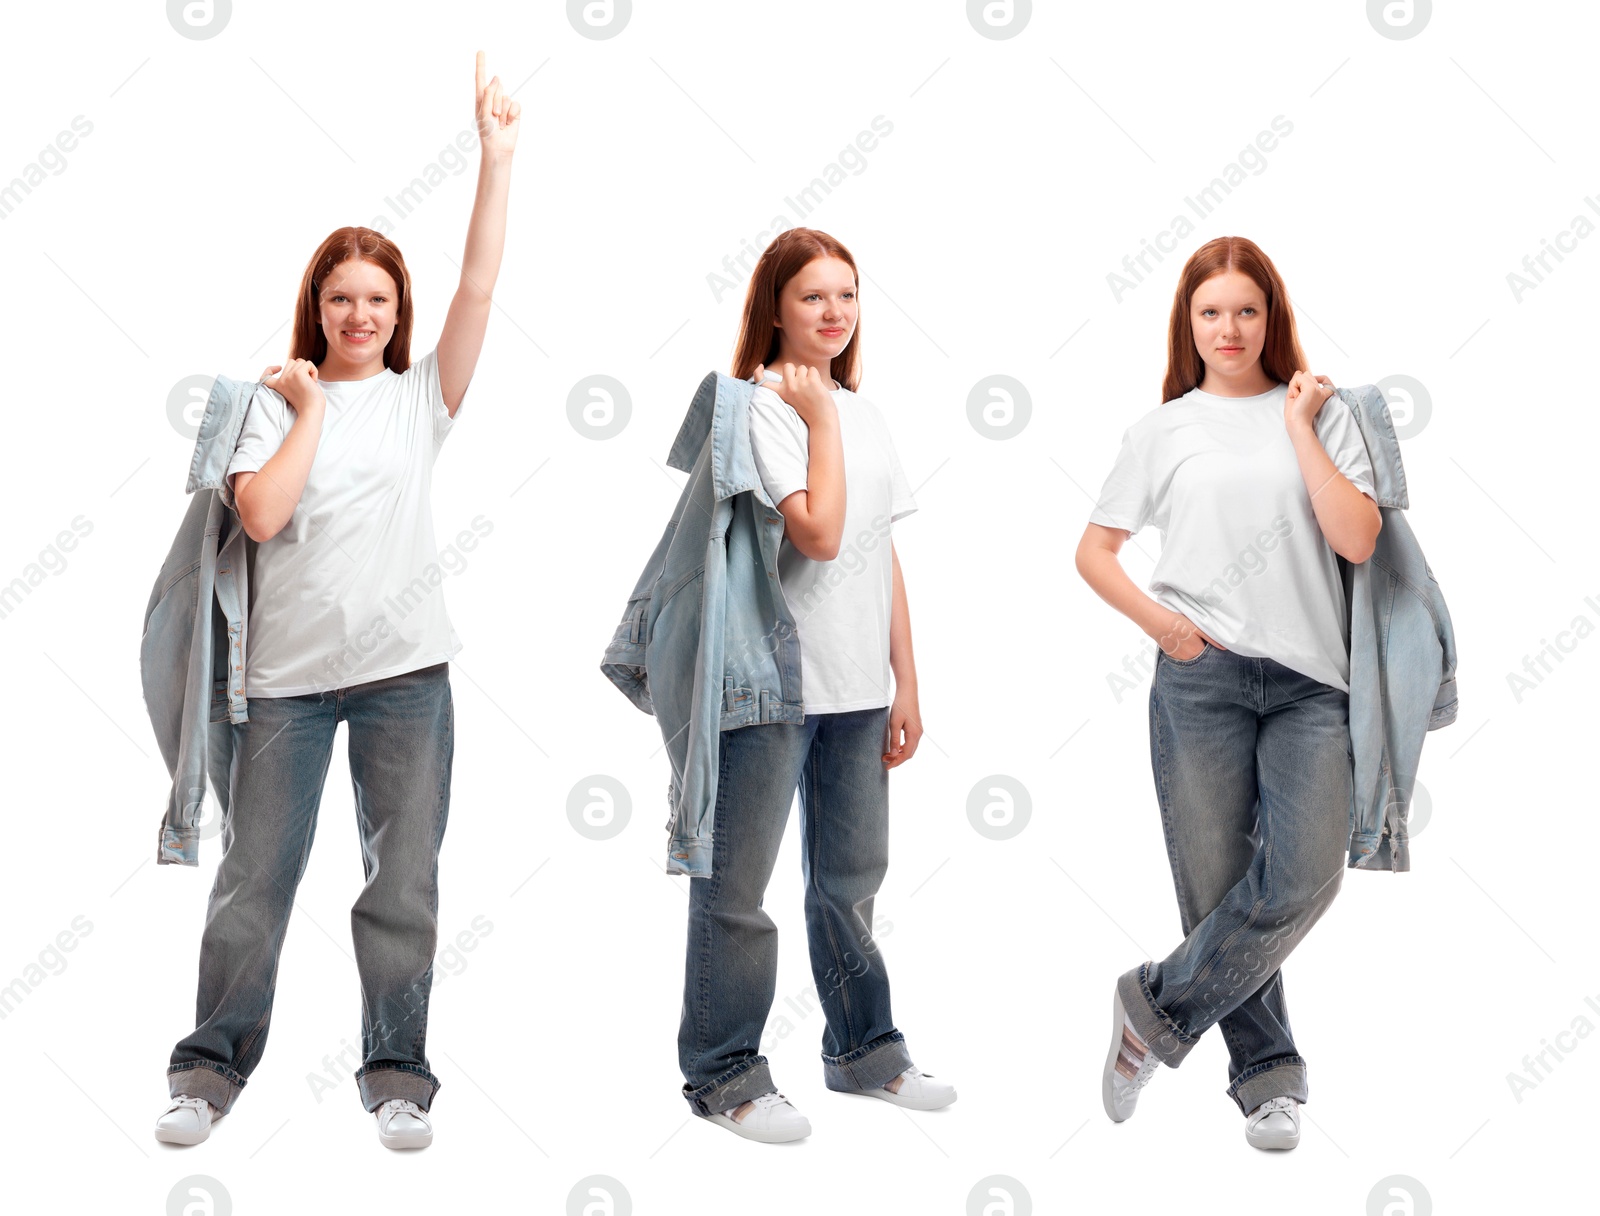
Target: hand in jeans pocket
x=1182, y=639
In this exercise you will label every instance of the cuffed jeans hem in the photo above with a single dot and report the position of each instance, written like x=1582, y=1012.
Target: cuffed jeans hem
x=867, y=1068
x=216, y=1083
x=1161, y=1034
x=1285, y=1078
x=382, y=1082
x=738, y=1085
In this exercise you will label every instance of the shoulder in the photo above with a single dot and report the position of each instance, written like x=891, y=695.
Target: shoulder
x=765, y=401
x=267, y=402
x=1154, y=421
x=862, y=407
x=421, y=370
x=1336, y=417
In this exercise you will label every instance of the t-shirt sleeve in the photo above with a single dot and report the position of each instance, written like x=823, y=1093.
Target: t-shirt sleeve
x=1125, y=498
x=780, y=442
x=429, y=395
x=900, y=489
x=265, y=425
x=1341, y=438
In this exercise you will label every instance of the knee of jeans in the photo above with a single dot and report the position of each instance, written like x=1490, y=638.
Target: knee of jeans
x=1306, y=899
x=846, y=888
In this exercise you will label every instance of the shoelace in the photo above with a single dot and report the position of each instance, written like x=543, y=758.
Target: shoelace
x=401, y=1106
x=1147, y=1069
x=770, y=1099
x=1272, y=1105
x=184, y=1101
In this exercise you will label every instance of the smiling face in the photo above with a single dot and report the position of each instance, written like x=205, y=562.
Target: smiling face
x=816, y=313
x=359, y=305
x=1229, y=316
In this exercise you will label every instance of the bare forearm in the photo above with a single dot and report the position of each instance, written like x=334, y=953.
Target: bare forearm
x=1349, y=520
x=1100, y=568
x=269, y=498
x=486, y=231
x=466, y=322
x=901, y=660
x=817, y=529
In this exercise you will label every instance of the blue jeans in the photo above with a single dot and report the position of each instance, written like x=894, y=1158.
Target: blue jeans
x=402, y=740
x=731, y=965
x=1253, y=773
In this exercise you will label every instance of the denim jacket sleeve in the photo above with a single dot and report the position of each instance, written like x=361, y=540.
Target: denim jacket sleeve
x=1402, y=655
x=192, y=648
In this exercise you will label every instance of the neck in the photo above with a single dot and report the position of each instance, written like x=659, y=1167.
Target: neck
x=333, y=369
x=1250, y=382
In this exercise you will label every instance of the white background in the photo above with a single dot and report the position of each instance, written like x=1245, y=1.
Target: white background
x=1020, y=171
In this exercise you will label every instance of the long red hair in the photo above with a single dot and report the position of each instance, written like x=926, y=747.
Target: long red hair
x=790, y=251
x=1281, y=353
x=308, y=341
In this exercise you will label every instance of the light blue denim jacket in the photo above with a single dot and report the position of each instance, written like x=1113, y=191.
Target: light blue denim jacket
x=707, y=642
x=1402, y=654
x=191, y=656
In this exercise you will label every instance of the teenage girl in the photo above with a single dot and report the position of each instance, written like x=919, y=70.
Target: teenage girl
x=826, y=459
x=1257, y=477
x=331, y=478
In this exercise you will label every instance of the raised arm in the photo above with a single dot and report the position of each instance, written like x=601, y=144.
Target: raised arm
x=468, y=319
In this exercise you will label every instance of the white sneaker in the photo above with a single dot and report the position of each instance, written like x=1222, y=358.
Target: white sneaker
x=186, y=1121
x=1125, y=1074
x=403, y=1124
x=918, y=1091
x=1274, y=1124
x=772, y=1119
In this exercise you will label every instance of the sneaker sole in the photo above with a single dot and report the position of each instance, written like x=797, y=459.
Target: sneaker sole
x=410, y=1141
x=901, y=1100
x=756, y=1134
x=171, y=1136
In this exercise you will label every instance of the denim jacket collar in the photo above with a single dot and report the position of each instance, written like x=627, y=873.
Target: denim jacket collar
x=220, y=427
x=721, y=406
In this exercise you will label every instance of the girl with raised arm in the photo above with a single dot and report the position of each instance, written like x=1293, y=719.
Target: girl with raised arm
x=332, y=478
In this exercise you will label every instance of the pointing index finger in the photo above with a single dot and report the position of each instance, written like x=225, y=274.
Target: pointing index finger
x=478, y=90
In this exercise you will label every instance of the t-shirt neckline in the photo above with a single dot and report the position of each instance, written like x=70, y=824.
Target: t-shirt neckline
x=1200, y=392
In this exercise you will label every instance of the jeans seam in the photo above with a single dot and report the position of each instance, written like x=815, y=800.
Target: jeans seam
x=718, y=869
x=440, y=813
x=1163, y=801
x=815, y=760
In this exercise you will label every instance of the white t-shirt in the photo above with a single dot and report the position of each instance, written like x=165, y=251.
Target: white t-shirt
x=348, y=591
x=1242, y=555
x=842, y=607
